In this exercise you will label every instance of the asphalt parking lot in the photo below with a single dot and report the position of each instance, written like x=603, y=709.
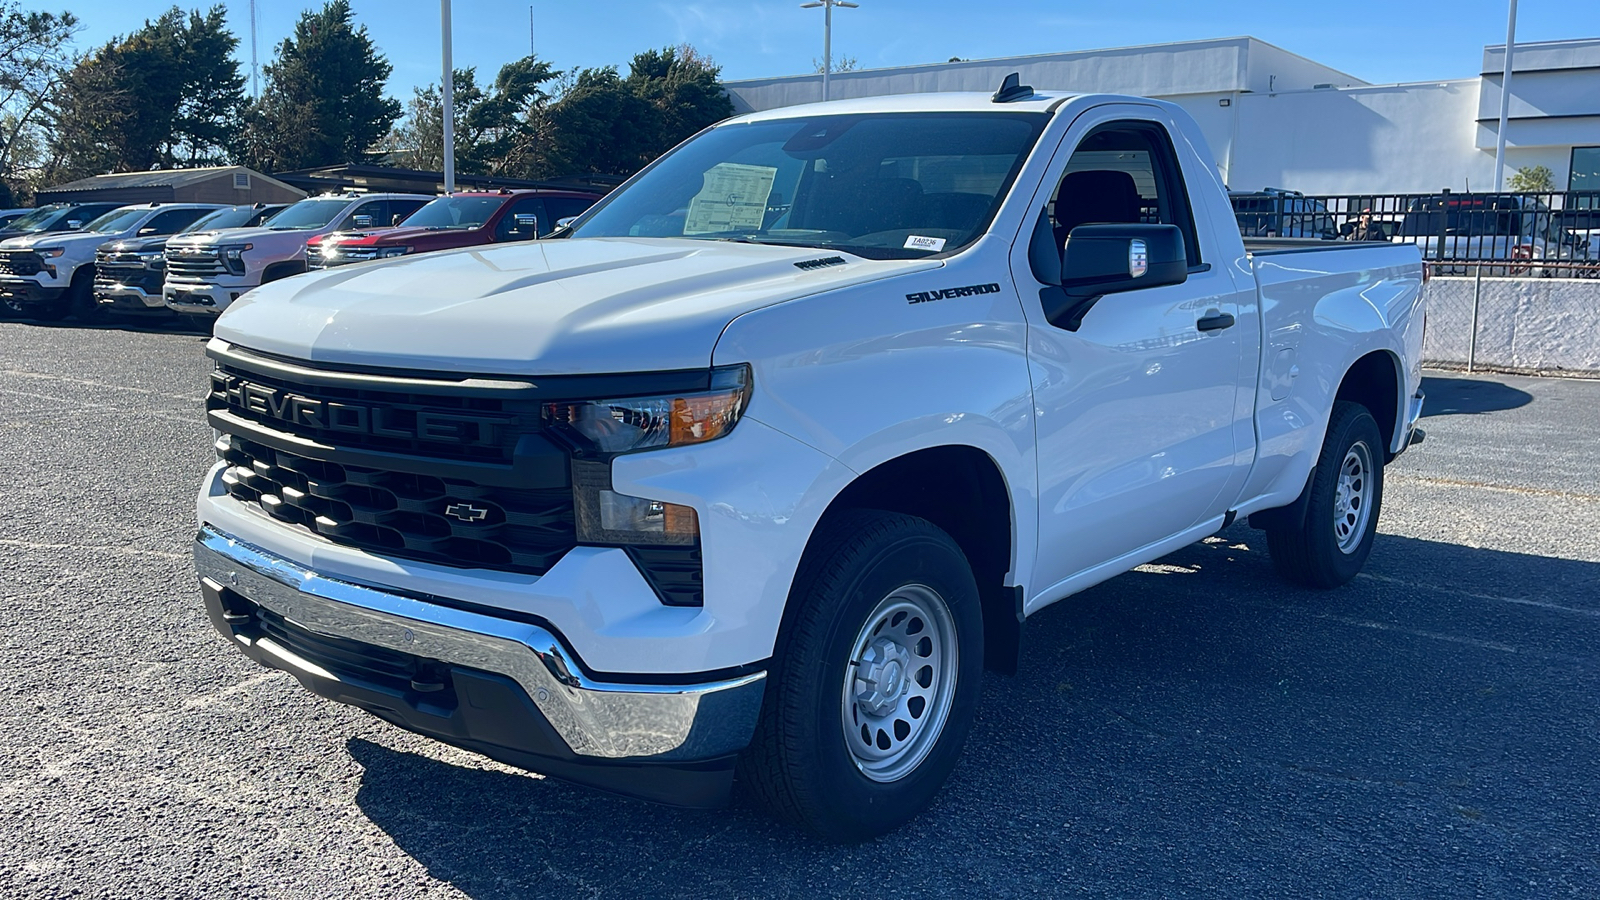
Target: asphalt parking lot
x=1194, y=728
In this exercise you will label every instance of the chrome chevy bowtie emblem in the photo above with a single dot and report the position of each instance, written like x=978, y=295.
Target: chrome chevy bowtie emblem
x=466, y=512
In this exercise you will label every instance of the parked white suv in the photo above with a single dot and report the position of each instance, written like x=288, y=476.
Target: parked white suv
x=208, y=270
x=50, y=275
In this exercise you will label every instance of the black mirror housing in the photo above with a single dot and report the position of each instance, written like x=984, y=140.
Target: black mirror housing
x=1109, y=259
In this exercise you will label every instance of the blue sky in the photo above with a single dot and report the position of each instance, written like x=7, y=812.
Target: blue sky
x=1377, y=40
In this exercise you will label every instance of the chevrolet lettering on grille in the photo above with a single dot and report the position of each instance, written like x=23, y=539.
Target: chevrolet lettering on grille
x=359, y=418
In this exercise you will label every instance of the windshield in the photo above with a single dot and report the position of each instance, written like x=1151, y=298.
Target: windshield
x=232, y=217
x=38, y=220
x=895, y=186
x=117, y=220
x=454, y=212
x=308, y=215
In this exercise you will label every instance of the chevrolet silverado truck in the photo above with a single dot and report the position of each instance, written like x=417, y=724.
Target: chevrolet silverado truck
x=55, y=217
x=50, y=275
x=207, y=271
x=464, y=219
x=754, y=469
x=128, y=274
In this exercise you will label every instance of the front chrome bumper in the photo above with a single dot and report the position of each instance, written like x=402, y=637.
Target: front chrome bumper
x=597, y=720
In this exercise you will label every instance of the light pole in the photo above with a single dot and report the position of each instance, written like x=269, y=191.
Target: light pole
x=827, y=34
x=449, y=98
x=1505, y=101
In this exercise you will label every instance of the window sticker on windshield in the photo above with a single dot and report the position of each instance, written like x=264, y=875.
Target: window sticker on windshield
x=734, y=199
x=918, y=242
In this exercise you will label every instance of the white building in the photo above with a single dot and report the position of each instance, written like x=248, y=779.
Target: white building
x=1275, y=119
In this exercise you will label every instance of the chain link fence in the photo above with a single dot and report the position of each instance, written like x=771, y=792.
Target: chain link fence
x=1483, y=321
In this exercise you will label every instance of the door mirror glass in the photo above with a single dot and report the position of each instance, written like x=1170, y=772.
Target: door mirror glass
x=1108, y=259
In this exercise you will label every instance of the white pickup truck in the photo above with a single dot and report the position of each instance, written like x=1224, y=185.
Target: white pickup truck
x=207, y=270
x=753, y=469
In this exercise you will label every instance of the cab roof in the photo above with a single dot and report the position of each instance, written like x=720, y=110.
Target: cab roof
x=954, y=101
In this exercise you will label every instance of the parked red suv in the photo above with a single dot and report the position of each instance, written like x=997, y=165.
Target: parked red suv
x=463, y=219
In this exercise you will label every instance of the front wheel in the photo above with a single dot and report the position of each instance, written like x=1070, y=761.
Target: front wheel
x=875, y=682
x=1331, y=545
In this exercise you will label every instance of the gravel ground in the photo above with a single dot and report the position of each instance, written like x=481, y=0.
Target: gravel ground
x=1192, y=728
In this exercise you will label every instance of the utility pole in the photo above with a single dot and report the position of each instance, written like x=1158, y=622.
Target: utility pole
x=533, y=45
x=448, y=96
x=827, y=34
x=255, y=69
x=1505, y=101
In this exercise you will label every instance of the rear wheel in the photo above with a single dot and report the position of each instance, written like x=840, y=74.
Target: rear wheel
x=876, y=680
x=1331, y=545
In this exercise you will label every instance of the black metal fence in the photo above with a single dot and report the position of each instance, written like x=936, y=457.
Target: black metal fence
x=1553, y=235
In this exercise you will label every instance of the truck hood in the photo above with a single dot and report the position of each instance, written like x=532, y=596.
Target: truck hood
x=138, y=245
x=274, y=237
x=58, y=239
x=577, y=306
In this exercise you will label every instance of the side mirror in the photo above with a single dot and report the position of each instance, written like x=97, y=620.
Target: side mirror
x=396, y=220
x=1110, y=259
x=525, y=222
x=566, y=222
x=74, y=224
x=363, y=221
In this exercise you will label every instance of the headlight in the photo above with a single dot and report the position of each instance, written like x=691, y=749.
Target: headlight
x=233, y=257
x=52, y=252
x=605, y=428
x=388, y=252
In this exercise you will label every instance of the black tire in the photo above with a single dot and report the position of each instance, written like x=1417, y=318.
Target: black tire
x=799, y=766
x=79, y=299
x=1331, y=545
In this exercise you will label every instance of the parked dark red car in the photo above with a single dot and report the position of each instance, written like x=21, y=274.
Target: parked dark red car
x=462, y=219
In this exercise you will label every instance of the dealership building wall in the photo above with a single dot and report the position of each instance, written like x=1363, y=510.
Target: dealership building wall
x=1276, y=119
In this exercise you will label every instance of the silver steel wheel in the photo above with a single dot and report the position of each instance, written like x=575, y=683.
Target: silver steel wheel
x=900, y=683
x=1352, y=504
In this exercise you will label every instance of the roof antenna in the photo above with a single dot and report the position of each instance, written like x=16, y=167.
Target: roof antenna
x=1012, y=88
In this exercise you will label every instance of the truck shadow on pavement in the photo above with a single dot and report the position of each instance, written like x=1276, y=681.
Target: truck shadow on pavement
x=1470, y=396
x=1193, y=724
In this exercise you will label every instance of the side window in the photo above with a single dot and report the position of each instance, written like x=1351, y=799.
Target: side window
x=565, y=208
x=399, y=209
x=371, y=214
x=1123, y=173
x=171, y=221
x=519, y=221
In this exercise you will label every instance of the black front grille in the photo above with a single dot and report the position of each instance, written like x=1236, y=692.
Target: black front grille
x=449, y=521
x=127, y=269
x=438, y=426
x=20, y=262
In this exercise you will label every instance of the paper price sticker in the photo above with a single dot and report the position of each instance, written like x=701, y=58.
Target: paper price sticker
x=918, y=242
x=734, y=198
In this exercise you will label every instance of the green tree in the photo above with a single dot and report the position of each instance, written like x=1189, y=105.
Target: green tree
x=605, y=124
x=35, y=53
x=323, y=103
x=496, y=125
x=1532, y=179
x=208, y=114
x=167, y=95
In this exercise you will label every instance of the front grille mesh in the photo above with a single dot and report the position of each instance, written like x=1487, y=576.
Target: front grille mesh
x=404, y=514
x=20, y=262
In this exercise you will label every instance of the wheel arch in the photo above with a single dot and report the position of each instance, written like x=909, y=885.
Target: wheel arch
x=962, y=490
x=1375, y=381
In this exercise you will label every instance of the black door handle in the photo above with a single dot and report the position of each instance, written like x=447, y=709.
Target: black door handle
x=1214, y=320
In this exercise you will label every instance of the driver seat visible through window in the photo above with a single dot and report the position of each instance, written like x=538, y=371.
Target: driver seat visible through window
x=1098, y=197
